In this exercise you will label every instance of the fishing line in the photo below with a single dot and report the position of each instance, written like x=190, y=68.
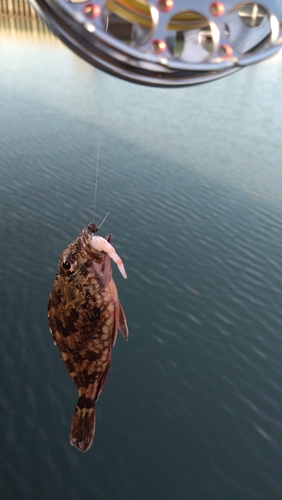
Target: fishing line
x=97, y=170
x=103, y=220
x=98, y=146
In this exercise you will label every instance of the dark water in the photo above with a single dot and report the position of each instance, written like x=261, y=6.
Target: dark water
x=192, y=408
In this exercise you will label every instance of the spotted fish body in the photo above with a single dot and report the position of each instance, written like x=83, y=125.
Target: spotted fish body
x=84, y=315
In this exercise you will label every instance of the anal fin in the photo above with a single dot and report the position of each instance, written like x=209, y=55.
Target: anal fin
x=122, y=324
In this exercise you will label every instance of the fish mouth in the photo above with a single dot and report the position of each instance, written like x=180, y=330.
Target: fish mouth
x=98, y=262
x=96, y=255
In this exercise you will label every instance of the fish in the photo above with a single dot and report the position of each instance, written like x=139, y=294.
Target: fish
x=84, y=316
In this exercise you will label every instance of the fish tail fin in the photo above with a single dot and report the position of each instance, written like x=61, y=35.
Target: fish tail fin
x=83, y=424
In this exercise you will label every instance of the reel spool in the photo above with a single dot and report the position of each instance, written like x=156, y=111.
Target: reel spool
x=166, y=43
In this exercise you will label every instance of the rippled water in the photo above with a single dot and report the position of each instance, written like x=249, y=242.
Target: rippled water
x=192, y=408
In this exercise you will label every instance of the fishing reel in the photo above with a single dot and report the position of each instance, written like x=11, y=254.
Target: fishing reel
x=166, y=43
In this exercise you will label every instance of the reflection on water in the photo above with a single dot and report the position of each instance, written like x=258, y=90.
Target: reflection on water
x=17, y=18
x=193, y=404
x=17, y=8
x=19, y=27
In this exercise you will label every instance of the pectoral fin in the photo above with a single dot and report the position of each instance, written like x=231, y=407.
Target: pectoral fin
x=122, y=324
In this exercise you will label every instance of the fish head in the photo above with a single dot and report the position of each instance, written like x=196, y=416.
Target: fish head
x=80, y=263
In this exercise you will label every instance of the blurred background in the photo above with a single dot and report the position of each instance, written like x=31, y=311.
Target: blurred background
x=192, y=408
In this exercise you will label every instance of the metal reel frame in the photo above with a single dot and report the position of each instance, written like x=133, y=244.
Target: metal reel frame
x=217, y=40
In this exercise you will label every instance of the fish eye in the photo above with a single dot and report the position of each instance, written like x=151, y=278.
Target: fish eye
x=67, y=265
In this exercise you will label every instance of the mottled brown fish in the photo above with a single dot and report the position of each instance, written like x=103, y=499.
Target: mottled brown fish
x=84, y=315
